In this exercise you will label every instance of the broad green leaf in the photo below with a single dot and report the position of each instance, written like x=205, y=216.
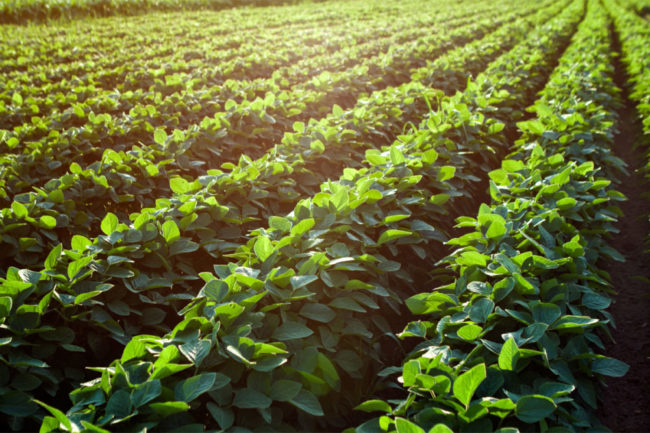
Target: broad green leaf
x=509, y=355
x=405, y=426
x=319, y=312
x=196, y=350
x=47, y=222
x=160, y=136
x=133, y=350
x=285, y=390
x=393, y=234
x=249, y=398
x=469, y=332
x=440, y=428
x=291, y=331
x=168, y=408
x=189, y=389
x=79, y=243
x=609, y=367
x=472, y=258
x=53, y=257
x=396, y=156
x=302, y=227
x=19, y=209
x=279, y=223
x=170, y=231
x=223, y=416
x=61, y=418
x=77, y=266
x=307, y=402
x=5, y=306
x=145, y=392
x=534, y=408
x=374, y=406
x=465, y=385
x=546, y=312
x=109, y=224
x=263, y=248
x=119, y=404
x=299, y=281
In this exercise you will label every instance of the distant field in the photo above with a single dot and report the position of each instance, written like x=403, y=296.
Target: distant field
x=316, y=216
x=30, y=11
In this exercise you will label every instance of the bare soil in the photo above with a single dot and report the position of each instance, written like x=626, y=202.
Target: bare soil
x=626, y=400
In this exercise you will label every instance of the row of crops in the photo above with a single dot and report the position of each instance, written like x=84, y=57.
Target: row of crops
x=351, y=215
x=23, y=12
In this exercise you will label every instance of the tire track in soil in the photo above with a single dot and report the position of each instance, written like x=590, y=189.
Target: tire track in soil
x=625, y=400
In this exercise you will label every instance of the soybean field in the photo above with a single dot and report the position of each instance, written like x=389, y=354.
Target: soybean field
x=415, y=216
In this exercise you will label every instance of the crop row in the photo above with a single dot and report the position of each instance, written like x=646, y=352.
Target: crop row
x=281, y=272
x=513, y=340
x=26, y=11
x=634, y=38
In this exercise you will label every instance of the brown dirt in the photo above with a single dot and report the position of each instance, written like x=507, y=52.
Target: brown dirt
x=626, y=400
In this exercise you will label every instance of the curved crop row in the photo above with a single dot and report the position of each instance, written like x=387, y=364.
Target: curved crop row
x=512, y=343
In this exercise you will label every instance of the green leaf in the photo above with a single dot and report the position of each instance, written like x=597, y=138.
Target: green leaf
x=79, y=243
x=189, y=389
x=280, y=223
x=405, y=426
x=145, y=392
x=249, y=398
x=168, y=408
x=396, y=156
x=119, y=405
x=609, y=367
x=60, y=416
x=546, y=312
x=196, y=350
x=109, y=224
x=285, y=390
x=77, y=266
x=533, y=408
x=393, y=234
x=5, y=306
x=291, y=331
x=263, y=248
x=17, y=99
x=299, y=281
x=374, y=406
x=319, y=312
x=465, y=385
x=469, y=332
x=47, y=222
x=509, y=355
x=19, y=209
x=307, y=402
x=170, y=231
x=472, y=258
x=53, y=257
x=302, y=227
x=224, y=417
x=441, y=428
x=134, y=349
x=160, y=136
